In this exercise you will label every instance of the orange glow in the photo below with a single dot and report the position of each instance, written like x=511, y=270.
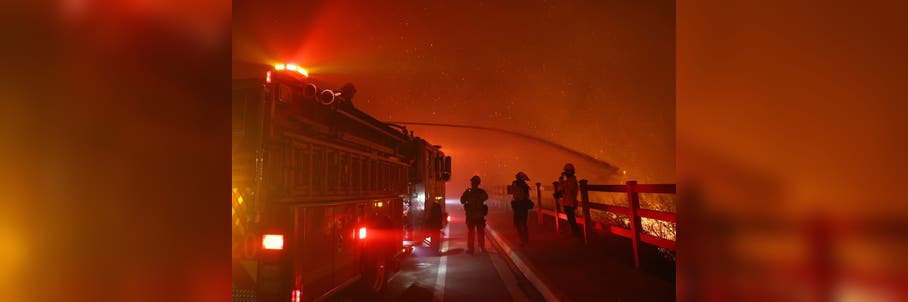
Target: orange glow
x=291, y=67
x=303, y=71
x=362, y=233
x=279, y=67
x=273, y=242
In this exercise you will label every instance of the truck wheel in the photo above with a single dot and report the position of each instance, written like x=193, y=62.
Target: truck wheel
x=380, y=279
x=375, y=274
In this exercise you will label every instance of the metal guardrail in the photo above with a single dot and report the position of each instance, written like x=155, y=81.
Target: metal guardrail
x=633, y=211
x=636, y=233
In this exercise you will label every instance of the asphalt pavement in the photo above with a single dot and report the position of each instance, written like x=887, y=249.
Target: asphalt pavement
x=554, y=266
x=563, y=268
x=455, y=275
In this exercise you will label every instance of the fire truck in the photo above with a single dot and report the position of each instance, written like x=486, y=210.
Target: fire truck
x=322, y=193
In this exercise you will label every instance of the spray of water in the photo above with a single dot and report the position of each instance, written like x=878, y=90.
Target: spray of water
x=603, y=165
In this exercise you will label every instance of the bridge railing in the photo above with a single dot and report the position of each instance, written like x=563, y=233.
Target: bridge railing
x=636, y=234
x=633, y=211
x=498, y=196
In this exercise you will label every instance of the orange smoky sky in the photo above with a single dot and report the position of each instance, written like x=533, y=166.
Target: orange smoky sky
x=597, y=77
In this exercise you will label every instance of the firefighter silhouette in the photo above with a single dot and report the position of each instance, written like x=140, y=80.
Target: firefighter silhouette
x=569, y=189
x=521, y=206
x=473, y=200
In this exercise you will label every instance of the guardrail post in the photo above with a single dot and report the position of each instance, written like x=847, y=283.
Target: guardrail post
x=633, y=200
x=557, y=211
x=539, y=202
x=587, y=222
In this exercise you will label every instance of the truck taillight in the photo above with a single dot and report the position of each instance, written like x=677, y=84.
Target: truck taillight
x=273, y=242
x=362, y=233
x=295, y=296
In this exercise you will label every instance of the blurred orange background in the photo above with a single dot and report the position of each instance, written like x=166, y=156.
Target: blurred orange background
x=791, y=148
x=114, y=155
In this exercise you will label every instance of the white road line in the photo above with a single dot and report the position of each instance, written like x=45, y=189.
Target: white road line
x=507, y=276
x=442, y=269
x=543, y=289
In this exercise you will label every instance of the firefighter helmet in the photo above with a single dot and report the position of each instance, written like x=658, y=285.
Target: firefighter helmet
x=569, y=167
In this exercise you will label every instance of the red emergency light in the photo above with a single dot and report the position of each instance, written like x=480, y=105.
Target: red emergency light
x=295, y=296
x=273, y=242
x=362, y=233
x=292, y=67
